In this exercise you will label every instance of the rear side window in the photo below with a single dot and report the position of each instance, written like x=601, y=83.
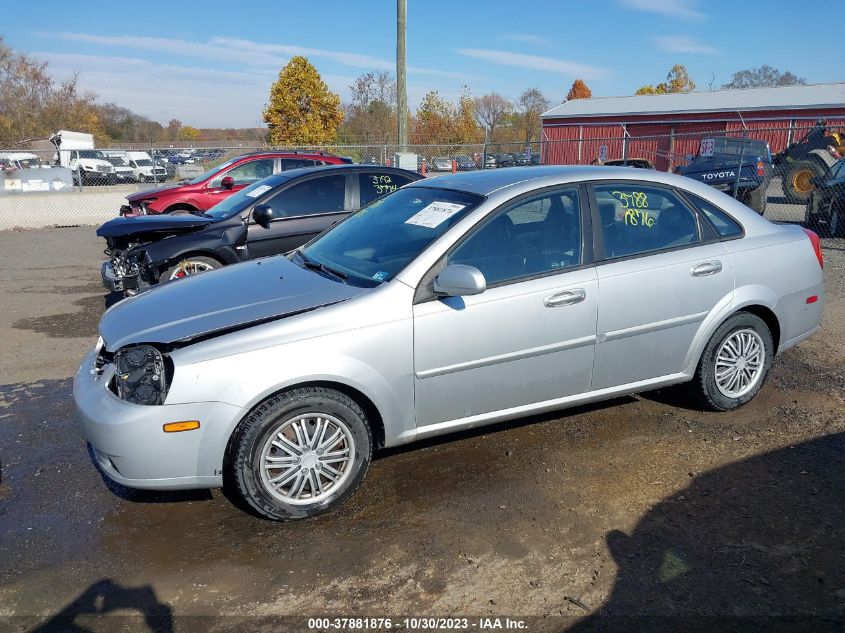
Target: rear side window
x=296, y=163
x=376, y=184
x=638, y=218
x=724, y=224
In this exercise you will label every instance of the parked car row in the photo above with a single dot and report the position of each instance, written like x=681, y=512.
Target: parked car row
x=281, y=375
x=482, y=161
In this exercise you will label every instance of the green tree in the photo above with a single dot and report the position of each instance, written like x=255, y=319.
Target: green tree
x=302, y=110
x=763, y=77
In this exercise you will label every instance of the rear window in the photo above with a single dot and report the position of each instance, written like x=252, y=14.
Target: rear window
x=724, y=224
x=735, y=146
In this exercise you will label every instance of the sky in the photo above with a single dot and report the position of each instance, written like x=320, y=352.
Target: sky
x=211, y=63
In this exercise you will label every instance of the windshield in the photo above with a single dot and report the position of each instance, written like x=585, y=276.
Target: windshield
x=209, y=173
x=117, y=161
x=144, y=162
x=91, y=153
x=374, y=244
x=238, y=201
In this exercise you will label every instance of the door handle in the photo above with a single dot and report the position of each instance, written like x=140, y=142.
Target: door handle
x=565, y=298
x=706, y=268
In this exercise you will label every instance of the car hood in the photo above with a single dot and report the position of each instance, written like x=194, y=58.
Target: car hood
x=224, y=300
x=152, y=193
x=153, y=225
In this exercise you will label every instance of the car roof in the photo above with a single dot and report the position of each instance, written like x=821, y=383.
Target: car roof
x=485, y=182
x=290, y=174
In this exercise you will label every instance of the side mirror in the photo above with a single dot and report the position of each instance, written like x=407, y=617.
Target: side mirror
x=262, y=214
x=459, y=280
x=228, y=182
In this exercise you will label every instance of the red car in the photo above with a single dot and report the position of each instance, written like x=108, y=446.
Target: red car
x=206, y=190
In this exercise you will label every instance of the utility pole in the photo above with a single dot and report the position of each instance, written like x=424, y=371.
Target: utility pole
x=401, y=87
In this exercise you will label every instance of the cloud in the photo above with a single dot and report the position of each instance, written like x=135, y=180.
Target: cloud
x=680, y=9
x=683, y=44
x=534, y=62
x=526, y=38
x=248, y=52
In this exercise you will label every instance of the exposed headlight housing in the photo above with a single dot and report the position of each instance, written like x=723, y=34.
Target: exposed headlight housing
x=141, y=375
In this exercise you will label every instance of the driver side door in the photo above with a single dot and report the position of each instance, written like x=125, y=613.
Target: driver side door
x=530, y=336
x=300, y=212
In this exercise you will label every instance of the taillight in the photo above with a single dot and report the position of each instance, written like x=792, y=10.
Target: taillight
x=817, y=246
x=761, y=169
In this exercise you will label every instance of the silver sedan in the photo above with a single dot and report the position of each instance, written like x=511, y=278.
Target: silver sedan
x=448, y=304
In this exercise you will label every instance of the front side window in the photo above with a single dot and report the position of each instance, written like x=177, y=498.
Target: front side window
x=247, y=173
x=374, y=244
x=314, y=196
x=638, y=218
x=534, y=237
x=374, y=184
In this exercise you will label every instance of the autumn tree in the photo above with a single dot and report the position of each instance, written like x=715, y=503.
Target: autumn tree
x=677, y=80
x=188, y=133
x=435, y=120
x=763, y=77
x=302, y=110
x=532, y=103
x=579, y=90
x=491, y=110
x=466, y=128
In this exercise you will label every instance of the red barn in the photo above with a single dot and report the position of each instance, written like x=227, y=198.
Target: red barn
x=667, y=128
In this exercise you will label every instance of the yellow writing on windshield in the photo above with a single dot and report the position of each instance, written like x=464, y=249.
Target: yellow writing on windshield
x=383, y=184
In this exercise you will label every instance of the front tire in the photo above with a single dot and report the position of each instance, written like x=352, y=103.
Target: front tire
x=797, y=182
x=188, y=267
x=301, y=453
x=734, y=364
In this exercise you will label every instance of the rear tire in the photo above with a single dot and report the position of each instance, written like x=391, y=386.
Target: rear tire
x=279, y=463
x=757, y=200
x=734, y=364
x=797, y=185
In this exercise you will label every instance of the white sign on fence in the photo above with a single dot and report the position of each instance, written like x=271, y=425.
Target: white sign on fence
x=706, y=147
x=602, y=153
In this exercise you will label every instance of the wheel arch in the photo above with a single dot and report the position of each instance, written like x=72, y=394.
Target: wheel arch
x=374, y=417
x=180, y=205
x=769, y=318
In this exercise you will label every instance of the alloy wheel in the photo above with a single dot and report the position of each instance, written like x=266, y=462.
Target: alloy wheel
x=739, y=363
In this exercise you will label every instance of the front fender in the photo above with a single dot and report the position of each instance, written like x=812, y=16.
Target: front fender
x=217, y=244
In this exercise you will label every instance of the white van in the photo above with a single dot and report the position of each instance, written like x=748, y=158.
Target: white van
x=123, y=171
x=144, y=169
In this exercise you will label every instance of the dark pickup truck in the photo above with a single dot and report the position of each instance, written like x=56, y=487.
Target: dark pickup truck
x=736, y=164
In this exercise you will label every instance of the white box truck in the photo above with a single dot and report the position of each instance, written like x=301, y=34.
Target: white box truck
x=75, y=150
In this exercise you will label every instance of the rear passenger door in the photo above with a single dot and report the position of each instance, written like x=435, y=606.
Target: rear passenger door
x=375, y=183
x=662, y=271
x=301, y=211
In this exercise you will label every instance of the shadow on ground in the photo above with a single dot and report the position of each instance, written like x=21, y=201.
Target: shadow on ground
x=755, y=545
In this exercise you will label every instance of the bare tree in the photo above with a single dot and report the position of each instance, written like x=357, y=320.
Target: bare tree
x=532, y=103
x=490, y=110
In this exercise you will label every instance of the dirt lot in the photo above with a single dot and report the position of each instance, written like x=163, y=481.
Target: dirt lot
x=580, y=520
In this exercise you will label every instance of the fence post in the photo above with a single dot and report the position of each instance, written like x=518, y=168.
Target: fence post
x=79, y=175
x=741, y=159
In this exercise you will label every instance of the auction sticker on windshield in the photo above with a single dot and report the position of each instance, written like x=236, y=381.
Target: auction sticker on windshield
x=434, y=214
x=258, y=191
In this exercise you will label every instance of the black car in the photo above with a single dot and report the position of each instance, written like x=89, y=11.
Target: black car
x=274, y=215
x=465, y=163
x=504, y=160
x=522, y=160
x=826, y=206
x=736, y=164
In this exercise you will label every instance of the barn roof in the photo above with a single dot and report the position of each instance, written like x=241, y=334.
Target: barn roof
x=781, y=98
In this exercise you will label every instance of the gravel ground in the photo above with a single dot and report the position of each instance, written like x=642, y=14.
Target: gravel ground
x=633, y=512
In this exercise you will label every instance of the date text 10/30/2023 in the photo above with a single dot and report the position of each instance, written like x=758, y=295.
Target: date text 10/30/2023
x=417, y=624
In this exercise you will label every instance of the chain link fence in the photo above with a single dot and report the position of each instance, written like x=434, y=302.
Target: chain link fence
x=802, y=183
